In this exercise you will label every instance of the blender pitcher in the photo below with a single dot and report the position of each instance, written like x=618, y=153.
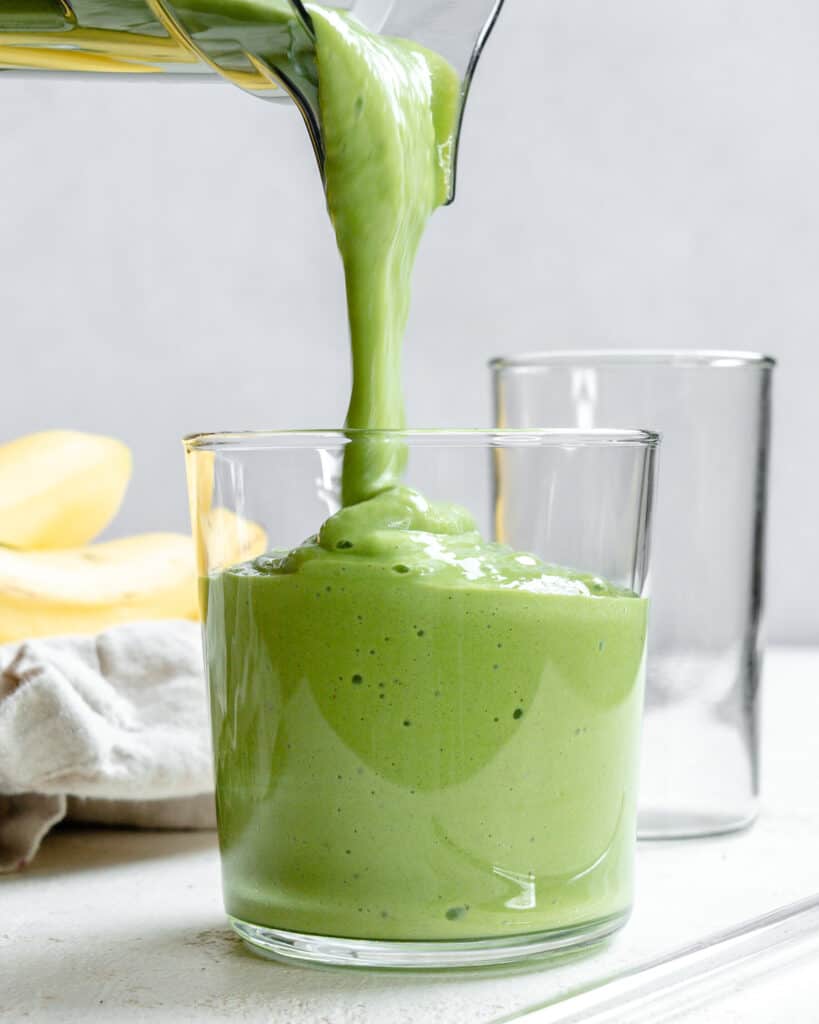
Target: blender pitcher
x=263, y=46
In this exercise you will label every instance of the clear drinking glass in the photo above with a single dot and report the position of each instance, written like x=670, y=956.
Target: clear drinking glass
x=700, y=772
x=426, y=742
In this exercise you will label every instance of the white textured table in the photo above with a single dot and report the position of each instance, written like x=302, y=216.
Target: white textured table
x=127, y=926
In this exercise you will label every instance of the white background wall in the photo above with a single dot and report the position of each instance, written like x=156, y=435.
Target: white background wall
x=633, y=174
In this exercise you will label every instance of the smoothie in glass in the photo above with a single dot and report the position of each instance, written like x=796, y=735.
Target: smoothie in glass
x=420, y=735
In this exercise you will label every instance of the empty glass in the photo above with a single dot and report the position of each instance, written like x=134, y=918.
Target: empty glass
x=700, y=771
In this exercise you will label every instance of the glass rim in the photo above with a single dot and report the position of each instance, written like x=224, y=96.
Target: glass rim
x=500, y=437
x=719, y=359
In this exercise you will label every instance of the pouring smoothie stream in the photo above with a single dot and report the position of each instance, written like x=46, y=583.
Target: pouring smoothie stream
x=419, y=735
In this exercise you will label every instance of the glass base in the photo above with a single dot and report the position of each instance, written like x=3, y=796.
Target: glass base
x=664, y=824
x=322, y=949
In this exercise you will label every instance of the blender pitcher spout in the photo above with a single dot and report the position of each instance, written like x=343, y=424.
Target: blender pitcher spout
x=455, y=29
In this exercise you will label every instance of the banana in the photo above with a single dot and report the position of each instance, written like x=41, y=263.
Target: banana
x=225, y=539
x=200, y=469
x=89, y=589
x=86, y=590
x=60, y=488
x=222, y=537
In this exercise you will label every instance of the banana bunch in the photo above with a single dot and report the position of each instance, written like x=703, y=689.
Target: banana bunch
x=60, y=489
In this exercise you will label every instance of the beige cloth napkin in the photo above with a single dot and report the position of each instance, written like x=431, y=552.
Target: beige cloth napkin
x=110, y=729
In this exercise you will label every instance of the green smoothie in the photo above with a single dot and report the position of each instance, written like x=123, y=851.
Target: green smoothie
x=420, y=735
